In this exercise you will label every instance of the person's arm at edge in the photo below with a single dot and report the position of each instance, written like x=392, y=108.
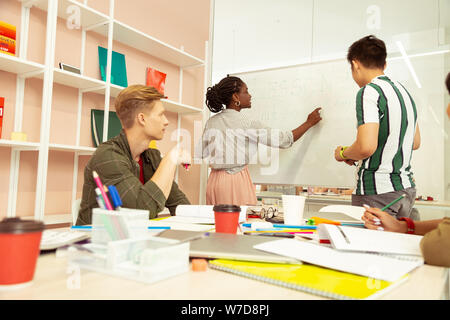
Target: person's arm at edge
x=417, y=139
x=374, y=218
x=366, y=143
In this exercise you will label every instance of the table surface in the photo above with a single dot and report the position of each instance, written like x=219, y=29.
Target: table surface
x=55, y=279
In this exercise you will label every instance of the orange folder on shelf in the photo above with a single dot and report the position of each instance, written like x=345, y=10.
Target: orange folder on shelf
x=7, y=30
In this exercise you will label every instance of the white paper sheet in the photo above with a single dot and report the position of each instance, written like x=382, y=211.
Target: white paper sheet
x=369, y=265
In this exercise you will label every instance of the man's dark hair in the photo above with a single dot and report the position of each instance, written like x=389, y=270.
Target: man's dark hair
x=370, y=51
x=447, y=82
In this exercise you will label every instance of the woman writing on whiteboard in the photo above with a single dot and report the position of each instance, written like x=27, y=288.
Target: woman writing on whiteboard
x=230, y=138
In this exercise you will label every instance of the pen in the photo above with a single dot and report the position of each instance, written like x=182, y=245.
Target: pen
x=100, y=201
x=294, y=226
x=115, y=197
x=149, y=228
x=100, y=186
x=393, y=202
x=284, y=226
x=343, y=234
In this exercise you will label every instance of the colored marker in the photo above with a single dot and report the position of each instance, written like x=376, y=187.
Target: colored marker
x=186, y=166
x=115, y=197
x=294, y=227
x=102, y=190
x=100, y=201
x=284, y=226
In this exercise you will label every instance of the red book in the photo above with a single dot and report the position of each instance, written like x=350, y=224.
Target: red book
x=156, y=79
x=7, y=30
x=2, y=102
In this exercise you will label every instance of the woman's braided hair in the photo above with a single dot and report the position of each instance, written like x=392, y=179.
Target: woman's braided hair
x=219, y=96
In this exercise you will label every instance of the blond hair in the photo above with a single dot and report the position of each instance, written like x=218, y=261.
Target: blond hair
x=135, y=99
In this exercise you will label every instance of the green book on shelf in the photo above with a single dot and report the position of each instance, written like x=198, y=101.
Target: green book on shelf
x=97, y=119
x=309, y=278
x=118, y=70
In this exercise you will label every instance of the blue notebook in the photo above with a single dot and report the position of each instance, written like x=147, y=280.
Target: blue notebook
x=118, y=70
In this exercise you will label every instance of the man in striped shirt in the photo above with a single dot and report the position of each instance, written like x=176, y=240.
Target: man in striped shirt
x=387, y=132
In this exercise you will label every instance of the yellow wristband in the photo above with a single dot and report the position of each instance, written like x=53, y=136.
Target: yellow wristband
x=341, y=153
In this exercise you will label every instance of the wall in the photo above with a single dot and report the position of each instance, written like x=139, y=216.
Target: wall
x=178, y=23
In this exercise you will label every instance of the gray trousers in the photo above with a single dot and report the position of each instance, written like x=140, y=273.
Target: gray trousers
x=403, y=208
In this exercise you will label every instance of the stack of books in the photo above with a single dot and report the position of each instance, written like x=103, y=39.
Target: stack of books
x=7, y=38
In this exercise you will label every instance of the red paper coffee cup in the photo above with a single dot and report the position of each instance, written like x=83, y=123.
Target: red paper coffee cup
x=226, y=217
x=19, y=249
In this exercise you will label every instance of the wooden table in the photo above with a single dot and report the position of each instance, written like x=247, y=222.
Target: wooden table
x=55, y=280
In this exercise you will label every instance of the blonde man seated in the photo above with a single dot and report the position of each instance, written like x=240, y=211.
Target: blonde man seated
x=143, y=179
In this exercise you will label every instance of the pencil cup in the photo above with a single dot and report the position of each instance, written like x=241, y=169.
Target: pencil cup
x=226, y=217
x=19, y=250
x=293, y=207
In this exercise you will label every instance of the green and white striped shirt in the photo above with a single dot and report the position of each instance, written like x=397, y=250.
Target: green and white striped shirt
x=389, y=104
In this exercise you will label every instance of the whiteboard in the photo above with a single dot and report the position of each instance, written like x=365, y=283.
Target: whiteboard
x=282, y=98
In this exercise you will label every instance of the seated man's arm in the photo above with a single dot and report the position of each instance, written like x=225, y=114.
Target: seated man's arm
x=118, y=171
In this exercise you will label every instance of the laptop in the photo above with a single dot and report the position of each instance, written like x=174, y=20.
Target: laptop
x=235, y=247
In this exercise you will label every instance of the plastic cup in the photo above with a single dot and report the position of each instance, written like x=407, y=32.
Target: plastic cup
x=226, y=217
x=19, y=250
x=293, y=207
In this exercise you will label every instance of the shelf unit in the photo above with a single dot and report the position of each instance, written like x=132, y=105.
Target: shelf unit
x=90, y=21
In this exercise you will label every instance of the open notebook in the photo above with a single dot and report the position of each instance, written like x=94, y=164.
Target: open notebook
x=364, y=264
x=365, y=240
x=309, y=278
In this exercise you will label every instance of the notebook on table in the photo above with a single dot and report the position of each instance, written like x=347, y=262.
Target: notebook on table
x=235, y=247
x=310, y=279
x=365, y=240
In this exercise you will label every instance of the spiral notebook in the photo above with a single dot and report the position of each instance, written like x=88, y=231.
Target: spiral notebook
x=310, y=279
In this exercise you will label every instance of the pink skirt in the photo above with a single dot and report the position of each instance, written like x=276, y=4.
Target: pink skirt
x=225, y=188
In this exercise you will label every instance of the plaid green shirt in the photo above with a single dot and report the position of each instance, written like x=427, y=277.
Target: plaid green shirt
x=114, y=164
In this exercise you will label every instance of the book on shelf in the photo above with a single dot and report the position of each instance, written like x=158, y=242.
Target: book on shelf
x=7, y=45
x=310, y=279
x=156, y=79
x=118, y=70
x=7, y=30
x=97, y=120
x=2, y=104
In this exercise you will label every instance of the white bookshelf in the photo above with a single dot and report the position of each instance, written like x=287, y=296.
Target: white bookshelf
x=148, y=44
x=69, y=148
x=19, y=66
x=91, y=21
x=19, y=145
